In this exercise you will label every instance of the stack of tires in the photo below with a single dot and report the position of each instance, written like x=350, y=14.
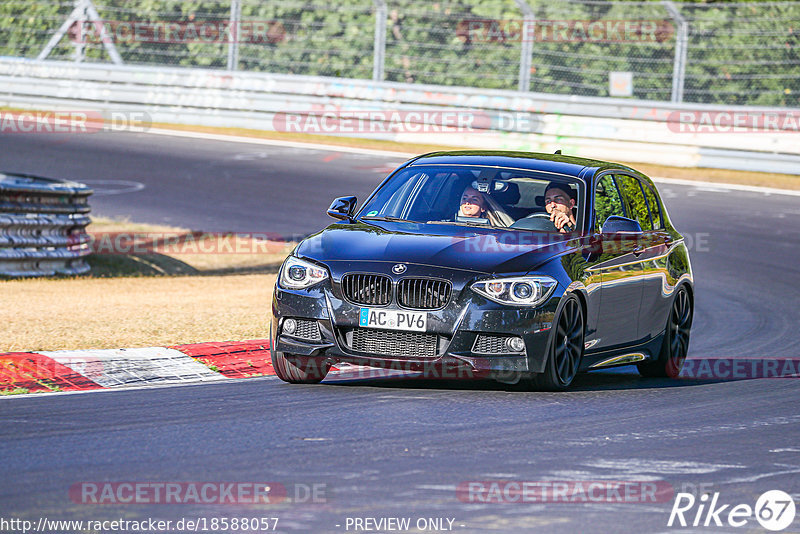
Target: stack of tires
x=43, y=226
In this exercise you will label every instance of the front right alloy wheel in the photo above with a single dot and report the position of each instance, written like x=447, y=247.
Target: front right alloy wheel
x=299, y=369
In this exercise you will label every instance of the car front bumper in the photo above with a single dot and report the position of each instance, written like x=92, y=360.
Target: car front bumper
x=456, y=328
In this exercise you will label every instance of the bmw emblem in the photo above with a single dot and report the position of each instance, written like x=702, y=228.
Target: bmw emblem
x=400, y=268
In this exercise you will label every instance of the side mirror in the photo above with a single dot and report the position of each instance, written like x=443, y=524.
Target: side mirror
x=342, y=208
x=616, y=224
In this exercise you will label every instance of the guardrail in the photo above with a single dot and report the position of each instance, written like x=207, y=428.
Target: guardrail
x=43, y=226
x=601, y=128
x=727, y=52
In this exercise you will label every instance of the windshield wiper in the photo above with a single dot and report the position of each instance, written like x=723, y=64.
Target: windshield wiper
x=391, y=219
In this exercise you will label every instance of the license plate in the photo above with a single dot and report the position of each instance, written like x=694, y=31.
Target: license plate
x=393, y=319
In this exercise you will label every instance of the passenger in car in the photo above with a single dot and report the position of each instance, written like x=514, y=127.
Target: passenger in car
x=559, y=201
x=472, y=204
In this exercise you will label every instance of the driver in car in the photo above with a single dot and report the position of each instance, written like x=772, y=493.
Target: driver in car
x=559, y=203
x=472, y=204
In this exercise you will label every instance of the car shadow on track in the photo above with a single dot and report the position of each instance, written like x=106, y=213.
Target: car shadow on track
x=611, y=379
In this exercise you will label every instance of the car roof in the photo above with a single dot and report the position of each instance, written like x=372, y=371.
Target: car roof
x=557, y=163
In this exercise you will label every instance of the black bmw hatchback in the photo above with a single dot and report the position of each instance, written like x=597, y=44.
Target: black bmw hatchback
x=523, y=267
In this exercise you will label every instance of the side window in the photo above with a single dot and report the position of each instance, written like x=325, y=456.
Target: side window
x=634, y=201
x=606, y=201
x=393, y=196
x=424, y=204
x=652, y=203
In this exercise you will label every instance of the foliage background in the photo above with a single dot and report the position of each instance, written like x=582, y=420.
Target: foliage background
x=738, y=52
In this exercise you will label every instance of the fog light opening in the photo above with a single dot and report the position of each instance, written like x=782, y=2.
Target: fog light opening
x=289, y=326
x=515, y=344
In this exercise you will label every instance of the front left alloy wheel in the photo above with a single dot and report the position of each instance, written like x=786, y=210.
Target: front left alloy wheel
x=565, y=351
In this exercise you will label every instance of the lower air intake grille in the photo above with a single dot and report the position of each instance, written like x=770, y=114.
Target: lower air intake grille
x=307, y=330
x=372, y=289
x=491, y=345
x=423, y=293
x=402, y=344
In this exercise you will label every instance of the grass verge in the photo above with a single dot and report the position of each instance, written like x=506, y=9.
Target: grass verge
x=132, y=249
x=139, y=300
x=15, y=391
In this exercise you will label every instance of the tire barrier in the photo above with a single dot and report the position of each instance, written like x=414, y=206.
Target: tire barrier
x=43, y=226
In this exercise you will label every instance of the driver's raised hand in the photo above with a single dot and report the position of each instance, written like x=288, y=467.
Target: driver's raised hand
x=560, y=219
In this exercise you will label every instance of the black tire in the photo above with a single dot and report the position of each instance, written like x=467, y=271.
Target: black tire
x=565, y=351
x=299, y=369
x=675, y=346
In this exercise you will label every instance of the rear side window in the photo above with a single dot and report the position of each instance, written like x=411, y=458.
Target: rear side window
x=606, y=201
x=634, y=201
x=652, y=203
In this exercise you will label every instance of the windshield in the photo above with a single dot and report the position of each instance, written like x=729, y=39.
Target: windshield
x=479, y=196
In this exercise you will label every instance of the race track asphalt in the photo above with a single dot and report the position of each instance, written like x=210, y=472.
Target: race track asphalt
x=400, y=448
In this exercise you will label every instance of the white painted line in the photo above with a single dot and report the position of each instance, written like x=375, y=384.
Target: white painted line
x=408, y=155
x=718, y=187
x=636, y=466
x=113, y=187
x=759, y=477
x=278, y=142
x=124, y=367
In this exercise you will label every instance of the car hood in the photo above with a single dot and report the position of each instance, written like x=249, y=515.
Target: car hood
x=455, y=247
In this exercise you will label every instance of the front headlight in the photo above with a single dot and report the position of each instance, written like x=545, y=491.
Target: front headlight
x=516, y=291
x=299, y=274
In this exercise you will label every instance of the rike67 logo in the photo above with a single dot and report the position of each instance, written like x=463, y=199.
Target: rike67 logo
x=774, y=510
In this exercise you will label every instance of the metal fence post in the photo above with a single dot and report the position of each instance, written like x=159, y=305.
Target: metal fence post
x=379, y=48
x=681, y=49
x=528, y=29
x=80, y=8
x=233, y=34
x=83, y=9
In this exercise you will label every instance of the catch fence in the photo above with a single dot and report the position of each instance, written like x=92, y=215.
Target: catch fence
x=733, y=53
